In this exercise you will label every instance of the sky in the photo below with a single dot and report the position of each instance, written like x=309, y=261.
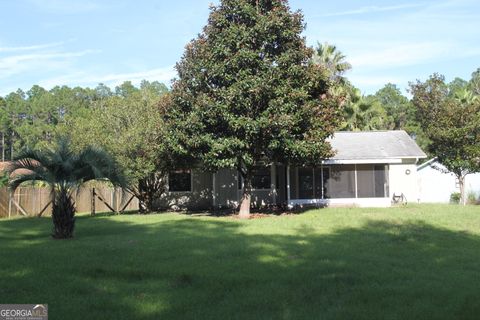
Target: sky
x=86, y=42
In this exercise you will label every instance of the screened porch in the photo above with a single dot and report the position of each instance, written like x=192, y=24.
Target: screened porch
x=339, y=181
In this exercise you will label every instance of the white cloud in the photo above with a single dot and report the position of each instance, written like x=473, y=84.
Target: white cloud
x=373, y=9
x=31, y=47
x=65, y=6
x=46, y=61
x=84, y=79
x=375, y=80
x=399, y=55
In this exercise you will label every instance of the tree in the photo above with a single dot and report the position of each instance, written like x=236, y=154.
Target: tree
x=396, y=105
x=36, y=118
x=64, y=171
x=248, y=93
x=474, y=83
x=364, y=113
x=4, y=124
x=16, y=112
x=332, y=59
x=457, y=84
x=129, y=125
x=400, y=113
x=451, y=124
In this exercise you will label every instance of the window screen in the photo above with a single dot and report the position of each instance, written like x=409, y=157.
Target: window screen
x=261, y=178
x=180, y=181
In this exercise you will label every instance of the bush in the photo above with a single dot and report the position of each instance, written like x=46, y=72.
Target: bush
x=3, y=180
x=472, y=198
x=455, y=197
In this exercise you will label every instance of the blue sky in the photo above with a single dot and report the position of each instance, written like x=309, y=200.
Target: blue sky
x=84, y=42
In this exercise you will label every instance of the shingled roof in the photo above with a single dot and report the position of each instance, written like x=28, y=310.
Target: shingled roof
x=380, y=145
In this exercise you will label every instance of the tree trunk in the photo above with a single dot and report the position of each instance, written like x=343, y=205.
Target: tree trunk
x=461, y=184
x=246, y=198
x=63, y=214
x=149, y=189
x=11, y=146
x=3, y=146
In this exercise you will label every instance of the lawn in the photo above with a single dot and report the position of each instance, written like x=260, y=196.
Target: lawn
x=414, y=262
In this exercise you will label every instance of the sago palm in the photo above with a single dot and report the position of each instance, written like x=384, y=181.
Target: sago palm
x=64, y=171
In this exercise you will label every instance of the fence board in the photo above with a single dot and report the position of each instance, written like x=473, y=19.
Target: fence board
x=34, y=199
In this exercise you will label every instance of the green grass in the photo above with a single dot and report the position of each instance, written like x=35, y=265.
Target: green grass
x=415, y=262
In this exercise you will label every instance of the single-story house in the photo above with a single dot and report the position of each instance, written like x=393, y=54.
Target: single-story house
x=436, y=184
x=368, y=169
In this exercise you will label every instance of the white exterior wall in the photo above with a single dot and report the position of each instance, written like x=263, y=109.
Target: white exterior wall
x=401, y=182
x=436, y=186
x=472, y=184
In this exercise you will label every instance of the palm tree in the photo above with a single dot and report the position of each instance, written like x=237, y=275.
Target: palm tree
x=364, y=113
x=465, y=96
x=64, y=171
x=332, y=59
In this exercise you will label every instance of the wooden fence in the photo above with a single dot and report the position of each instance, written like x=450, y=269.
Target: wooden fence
x=32, y=201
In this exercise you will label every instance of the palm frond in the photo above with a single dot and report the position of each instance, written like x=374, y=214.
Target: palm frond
x=16, y=180
x=61, y=167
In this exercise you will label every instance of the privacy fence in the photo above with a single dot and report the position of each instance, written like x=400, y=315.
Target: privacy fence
x=35, y=201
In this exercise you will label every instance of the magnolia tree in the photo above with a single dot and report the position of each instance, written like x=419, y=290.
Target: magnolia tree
x=248, y=93
x=452, y=124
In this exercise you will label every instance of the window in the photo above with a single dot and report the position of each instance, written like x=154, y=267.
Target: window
x=305, y=183
x=180, y=181
x=261, y=178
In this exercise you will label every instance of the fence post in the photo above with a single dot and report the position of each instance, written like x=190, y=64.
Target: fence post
x=93, y=201
x=9, y=204
x=114, y=199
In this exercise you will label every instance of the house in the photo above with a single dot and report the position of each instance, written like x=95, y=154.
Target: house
x=368, y=169
x=436, y=184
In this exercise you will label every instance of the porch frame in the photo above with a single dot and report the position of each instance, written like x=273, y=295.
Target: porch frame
x=362, y=202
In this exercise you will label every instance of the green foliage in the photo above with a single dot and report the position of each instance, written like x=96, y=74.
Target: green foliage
x=64, y=171
x=331, y=59
x=34, y=119
x=247, y=91
x=474, y=83
x=364, y=113
x=129, y=125
x=455, y=197
x=472, y=198
x=451, y=124
x=3, y=180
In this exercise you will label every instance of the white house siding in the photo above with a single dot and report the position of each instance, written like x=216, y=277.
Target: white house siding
x=226, y=188
x=401, y=182
x=436, y=186
x=199, y=198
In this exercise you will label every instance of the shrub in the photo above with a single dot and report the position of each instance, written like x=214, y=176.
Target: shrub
x=472, y=198
x=455, y=197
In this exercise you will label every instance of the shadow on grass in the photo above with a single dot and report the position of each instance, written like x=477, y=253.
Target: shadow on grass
x=184, y=268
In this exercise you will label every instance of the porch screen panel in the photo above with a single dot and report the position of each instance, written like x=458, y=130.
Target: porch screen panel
x=341, y=183
x=305, y=183
x=322, y=173
x=381, y=181
x=366, y=181
x=293, y=183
